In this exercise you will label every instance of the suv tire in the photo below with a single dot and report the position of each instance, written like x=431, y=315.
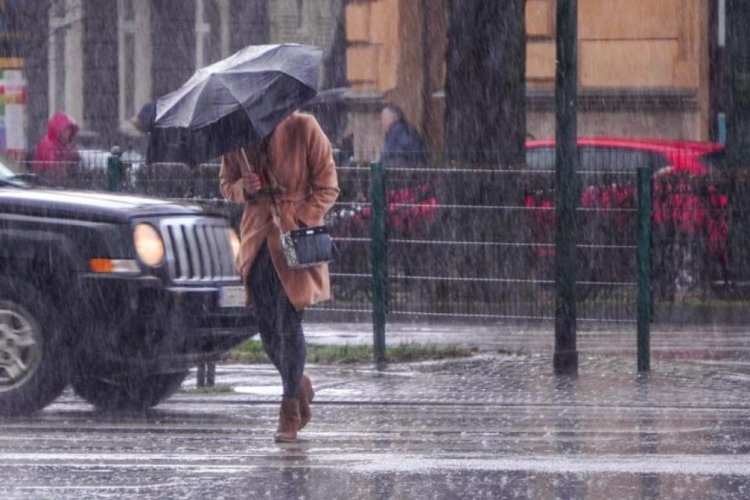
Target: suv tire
x=131, y=393
x=33, y=359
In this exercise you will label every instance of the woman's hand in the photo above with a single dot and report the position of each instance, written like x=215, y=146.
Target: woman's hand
x=251, y=183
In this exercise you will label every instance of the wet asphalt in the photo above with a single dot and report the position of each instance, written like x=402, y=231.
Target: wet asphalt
x=497, y=425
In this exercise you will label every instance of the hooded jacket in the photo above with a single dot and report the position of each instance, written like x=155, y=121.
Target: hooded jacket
x=52, y=155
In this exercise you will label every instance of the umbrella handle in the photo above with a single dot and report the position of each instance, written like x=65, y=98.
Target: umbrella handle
x=247, y=162
x=270, y=191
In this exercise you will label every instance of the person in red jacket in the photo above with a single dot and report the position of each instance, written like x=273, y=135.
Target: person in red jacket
x=55, y=155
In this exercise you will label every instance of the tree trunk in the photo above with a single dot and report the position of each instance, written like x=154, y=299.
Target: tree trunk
x=485, y=118
x=737, y=67
x=737, y=64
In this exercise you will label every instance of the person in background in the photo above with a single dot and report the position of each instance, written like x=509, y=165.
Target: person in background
x=402, y=145
x=144, y=120
x=55, y=155
x=285, y=182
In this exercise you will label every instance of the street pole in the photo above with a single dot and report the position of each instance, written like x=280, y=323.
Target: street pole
x=567, y=197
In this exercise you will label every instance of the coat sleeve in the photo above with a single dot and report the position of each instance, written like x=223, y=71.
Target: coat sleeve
x=230, y=178
x=322, y=175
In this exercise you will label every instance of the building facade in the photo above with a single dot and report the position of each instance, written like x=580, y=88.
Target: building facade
x=645, y=68
x=100, y=61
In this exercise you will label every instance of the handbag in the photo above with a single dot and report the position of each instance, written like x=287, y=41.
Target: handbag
x=306, y=246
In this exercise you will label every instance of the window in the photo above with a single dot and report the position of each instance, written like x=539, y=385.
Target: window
x=607, y=159
x=596, y=159
x=301, y=24
x=540, y=158
x=134, y=57
x=65, y=67
x=722, y=28
x=211, y=31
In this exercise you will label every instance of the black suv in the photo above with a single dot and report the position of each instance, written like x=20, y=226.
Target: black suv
x=118, y=295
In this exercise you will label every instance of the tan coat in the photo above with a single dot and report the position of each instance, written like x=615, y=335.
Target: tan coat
x=301, y=162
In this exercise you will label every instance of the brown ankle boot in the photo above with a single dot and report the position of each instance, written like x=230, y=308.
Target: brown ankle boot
x=306, y=395
x=289, y=421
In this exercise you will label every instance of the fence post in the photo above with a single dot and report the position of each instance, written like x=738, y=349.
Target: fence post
x=115, y=170
x=567, y=198
x=644, y=269
x=379, y=253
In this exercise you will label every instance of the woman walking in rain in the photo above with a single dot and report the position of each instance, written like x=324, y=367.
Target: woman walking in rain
x=287, y=181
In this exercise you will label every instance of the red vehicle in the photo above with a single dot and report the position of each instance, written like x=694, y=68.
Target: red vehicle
x=690, y=211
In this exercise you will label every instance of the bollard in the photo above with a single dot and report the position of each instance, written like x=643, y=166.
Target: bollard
x=645, y=295
x=206, y=374
x=379, y=253
x=200, y=375
x=115, y=170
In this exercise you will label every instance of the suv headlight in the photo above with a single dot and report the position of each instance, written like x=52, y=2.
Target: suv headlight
x=234, y=240
x=148, y=244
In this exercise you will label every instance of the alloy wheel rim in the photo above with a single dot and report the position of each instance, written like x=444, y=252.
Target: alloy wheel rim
x=20, y=347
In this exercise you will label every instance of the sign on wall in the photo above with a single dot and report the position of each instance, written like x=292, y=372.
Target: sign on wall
x=13, y=99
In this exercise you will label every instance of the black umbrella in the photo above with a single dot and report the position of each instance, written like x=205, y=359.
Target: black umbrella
x=233, y=103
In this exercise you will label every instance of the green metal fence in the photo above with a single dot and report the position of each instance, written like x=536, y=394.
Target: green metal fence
x=477, y=243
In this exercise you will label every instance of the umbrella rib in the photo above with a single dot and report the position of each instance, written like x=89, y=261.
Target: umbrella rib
x=220, y=78
x=203, y=117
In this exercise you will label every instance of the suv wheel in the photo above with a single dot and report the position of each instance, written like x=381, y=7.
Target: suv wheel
x=32, y=360
x=132, y=393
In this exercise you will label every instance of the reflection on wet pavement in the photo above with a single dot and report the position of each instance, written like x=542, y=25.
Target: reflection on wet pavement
x=493, y=426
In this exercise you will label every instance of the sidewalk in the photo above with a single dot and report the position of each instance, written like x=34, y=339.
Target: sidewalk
x=492, y=426
x=503, y=425
x=704, y=369
x=703, y=343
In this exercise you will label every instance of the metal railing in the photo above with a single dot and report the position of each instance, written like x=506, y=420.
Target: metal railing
x=475, y=244
x=478, y=243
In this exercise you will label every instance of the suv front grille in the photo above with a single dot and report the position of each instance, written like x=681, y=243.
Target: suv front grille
x=198, y=250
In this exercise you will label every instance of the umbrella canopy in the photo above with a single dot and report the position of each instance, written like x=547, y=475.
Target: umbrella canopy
x=233, y=103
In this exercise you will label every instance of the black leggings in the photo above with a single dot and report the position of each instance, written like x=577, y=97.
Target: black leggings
x=279, y=323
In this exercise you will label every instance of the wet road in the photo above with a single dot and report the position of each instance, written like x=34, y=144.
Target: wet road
x=494, y=426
